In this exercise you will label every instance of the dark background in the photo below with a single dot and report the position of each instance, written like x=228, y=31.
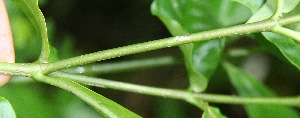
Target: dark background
x=105, y=24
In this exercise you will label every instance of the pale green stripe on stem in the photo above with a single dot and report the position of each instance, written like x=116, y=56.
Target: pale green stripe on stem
x=177, y=94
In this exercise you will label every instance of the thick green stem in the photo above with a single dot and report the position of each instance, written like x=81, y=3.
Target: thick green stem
x=265, y=25
x=177, y=94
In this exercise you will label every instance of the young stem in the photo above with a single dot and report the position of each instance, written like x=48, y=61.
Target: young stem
x=287, y=32
x=117, y=67
x=265, y=25
x=278, y=11
x=176, y=94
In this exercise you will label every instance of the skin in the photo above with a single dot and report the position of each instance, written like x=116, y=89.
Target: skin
x=7, y=53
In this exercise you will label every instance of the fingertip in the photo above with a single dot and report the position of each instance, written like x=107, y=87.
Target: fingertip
x=4, y=79
x=7, y=53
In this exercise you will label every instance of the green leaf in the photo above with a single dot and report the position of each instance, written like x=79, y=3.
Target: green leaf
x=6, y=110
x=212, y=112
x=187, y=16
x=254, y=5
x=24, y=38
x=100, y=103
x=247, y=86
x=35, y=16
x=28, y=96
x=169, y=108
x=201, y=61
x=268, y=9
x=287, y=46
x=209, y=111
x=289, y=5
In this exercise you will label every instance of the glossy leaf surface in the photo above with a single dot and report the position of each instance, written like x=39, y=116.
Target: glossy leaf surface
x=188, y=16
x=287, y=46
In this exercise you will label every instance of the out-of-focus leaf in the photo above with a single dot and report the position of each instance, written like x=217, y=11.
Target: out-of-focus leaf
x=266, y=11
x=35, y=16
x=78, y=109
x=6, y=110
x=169, y=108
x=101, y=104
x=209, y=111
x=287, y=46
x=188, y=16
x=28, y=97
x=25, y=38
x=54, y=54
x=289, y=5
x=254, y=5
x=212, y=112
x=247, y=86
x=295, y=10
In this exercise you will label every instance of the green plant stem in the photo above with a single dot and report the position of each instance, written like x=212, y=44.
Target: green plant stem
x=176, y=94
x=265, y=25
x=23, y=69
x=287, y=32
x=278, y=11
x=116, y=67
